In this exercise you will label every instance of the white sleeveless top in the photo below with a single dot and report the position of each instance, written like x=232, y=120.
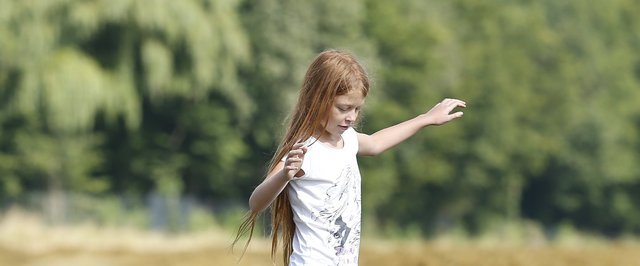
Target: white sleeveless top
x=326, y=205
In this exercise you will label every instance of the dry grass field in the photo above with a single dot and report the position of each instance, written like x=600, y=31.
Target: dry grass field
x=24, y=241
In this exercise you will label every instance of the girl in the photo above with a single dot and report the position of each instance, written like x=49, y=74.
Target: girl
x=313, y=181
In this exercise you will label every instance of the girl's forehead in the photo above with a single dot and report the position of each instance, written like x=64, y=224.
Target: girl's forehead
x=353, y=97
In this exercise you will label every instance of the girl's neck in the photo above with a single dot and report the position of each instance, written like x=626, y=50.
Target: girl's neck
x=331, y=140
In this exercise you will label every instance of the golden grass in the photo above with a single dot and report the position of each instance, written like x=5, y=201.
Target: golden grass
x=25, y=241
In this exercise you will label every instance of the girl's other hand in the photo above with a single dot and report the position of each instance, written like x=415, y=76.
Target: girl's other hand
x=293, y=164
x=441, y=112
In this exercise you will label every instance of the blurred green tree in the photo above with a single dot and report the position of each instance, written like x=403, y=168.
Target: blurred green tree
x=74, y=72
x=540, y=80
x=188, y=97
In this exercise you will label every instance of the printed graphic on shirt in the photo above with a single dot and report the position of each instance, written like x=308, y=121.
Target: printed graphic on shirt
x=342, y=215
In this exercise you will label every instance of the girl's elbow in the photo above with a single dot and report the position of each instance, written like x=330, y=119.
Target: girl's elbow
x=255, y=206
x=254, y=209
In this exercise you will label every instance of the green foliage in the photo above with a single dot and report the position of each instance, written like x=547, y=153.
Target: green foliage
x=188, y=97
x=534, y=77
x=71, y=63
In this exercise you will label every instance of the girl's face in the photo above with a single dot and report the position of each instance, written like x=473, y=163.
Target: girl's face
x=344, y=113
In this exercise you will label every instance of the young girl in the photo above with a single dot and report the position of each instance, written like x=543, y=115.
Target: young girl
x=313, y=181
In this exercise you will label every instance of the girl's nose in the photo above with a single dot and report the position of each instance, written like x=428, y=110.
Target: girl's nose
x=351, y=117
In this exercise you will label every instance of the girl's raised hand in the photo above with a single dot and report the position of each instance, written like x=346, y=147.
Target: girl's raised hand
x=293, y=163
x=441, y=112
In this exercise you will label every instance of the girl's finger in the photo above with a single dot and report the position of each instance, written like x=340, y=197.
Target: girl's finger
x=449, y=102
x=294, y=166
x=457, y=114
x=296, y=152
x=459, y=102
x=455, y=104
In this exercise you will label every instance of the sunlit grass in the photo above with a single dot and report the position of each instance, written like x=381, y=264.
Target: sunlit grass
x=25, y=240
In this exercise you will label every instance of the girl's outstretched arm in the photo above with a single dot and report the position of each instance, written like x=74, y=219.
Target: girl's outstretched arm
x=278, y=179
x=386, y=138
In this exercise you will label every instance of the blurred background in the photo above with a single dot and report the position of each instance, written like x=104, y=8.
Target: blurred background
x=133, y=131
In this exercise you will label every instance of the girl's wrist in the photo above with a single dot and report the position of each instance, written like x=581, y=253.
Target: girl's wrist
x=285, y=176
x=425, y=119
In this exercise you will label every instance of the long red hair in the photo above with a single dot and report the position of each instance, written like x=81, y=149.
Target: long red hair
x=331, y=74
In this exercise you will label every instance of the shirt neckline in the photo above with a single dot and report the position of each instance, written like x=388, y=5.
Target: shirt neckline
x=313, y=141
